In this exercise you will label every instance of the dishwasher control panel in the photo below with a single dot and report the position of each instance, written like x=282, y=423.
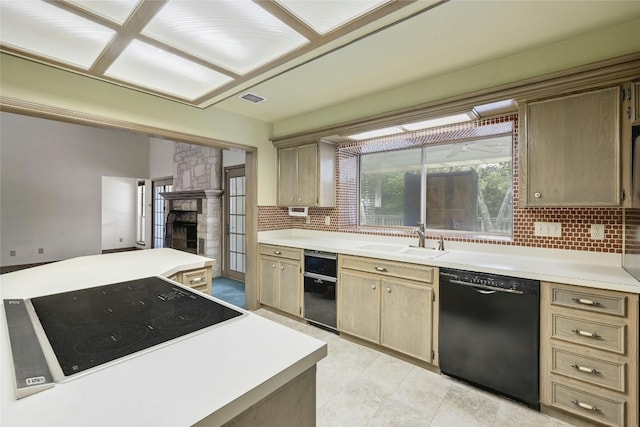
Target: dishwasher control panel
x=488, y=280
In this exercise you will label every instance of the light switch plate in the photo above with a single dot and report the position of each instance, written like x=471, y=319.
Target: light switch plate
x=547, y=229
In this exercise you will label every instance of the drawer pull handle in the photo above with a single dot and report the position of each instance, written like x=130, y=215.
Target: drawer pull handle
x=586, y=302
x=388, y=290
x=195, y=279
x=585, y=406
x=586, y=333
x=585, y=369
x=381, y=269
x=373, y=286
x=277, y=252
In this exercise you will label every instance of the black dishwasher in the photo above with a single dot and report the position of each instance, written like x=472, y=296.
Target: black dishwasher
x=489, y=332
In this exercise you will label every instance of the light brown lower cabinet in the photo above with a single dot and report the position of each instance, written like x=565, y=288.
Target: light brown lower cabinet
x=281, y=278
x=198, y=279
x=589, y=353
x=397, y=313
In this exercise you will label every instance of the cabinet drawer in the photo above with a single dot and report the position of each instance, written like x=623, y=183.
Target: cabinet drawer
x=281, y=252
x=195, y=278
x=595, y=371
x=588, y=300
x=604, y=336
x=420, y=273
x=200, y=288
x=609, y=411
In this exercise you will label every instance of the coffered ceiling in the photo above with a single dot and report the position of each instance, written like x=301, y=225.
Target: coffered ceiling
x=192, y=51
x=297, y=55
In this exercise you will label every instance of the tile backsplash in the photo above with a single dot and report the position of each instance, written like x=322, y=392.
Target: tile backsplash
x=576, y=222
x=576, y=227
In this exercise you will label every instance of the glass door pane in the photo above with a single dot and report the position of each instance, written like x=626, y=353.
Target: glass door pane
x=235, y=259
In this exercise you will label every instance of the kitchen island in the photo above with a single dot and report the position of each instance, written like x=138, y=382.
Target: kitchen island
x=245, y=369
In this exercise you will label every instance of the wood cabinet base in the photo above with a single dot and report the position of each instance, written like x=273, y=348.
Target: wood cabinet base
x=398, y=355
x=292, y=404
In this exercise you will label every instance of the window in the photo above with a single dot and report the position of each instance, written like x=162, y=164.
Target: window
x=159, y=210
x=464, y=185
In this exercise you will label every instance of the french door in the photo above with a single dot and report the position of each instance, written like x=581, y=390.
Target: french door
x=159, y=210
x=234, y=223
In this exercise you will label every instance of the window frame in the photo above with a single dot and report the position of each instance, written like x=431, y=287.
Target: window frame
x=382, y=144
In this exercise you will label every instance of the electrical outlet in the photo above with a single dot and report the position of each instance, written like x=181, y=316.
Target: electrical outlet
x=12, y=253
x=40, y=250
x=121, y=239
x=308, y=219
x=597, y=231
x=327, y=220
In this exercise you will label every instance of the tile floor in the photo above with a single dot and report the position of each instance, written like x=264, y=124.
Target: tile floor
x=359, y=386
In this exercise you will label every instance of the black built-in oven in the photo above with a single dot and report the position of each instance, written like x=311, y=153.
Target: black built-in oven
x=320, y=282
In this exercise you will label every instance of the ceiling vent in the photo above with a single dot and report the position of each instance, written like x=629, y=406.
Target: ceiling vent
x=251, y=97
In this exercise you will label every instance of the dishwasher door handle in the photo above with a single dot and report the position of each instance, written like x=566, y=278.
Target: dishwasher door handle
x=484, y=292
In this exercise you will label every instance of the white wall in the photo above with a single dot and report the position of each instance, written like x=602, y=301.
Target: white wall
x=160, y=158
x=51, y=185
x=233, y=158
x=119, y=196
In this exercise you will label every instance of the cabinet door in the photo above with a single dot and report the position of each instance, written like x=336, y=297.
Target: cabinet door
x=269, y=281
x=288, y=176
x=290, y=287
x=360, y=305
x=308, y=175
x=407, y=318
x=573, y=150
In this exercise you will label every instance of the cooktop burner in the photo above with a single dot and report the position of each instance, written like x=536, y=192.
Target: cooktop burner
x=89, y=327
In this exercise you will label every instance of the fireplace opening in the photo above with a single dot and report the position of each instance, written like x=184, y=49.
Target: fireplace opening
x=181, y=231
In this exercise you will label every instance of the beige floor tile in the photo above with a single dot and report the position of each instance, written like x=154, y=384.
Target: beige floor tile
x=511, y=414
x=463, y=407
x=361, y=387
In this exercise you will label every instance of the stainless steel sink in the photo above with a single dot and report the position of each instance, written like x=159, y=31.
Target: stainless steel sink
x=426, y=253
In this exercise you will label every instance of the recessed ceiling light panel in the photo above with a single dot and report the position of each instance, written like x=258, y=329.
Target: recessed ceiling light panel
x=325, y=16
x=49, y=31
x=494, y=108
x=376, y=133
x=237, y=35
x=114, y=10
x=147, y=66
x=440, y=121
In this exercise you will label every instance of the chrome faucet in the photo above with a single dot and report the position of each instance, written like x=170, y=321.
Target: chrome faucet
x=421, y=234
x=441, y=243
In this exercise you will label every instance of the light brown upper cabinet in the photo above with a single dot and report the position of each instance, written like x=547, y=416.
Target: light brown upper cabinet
x=570, y=150
x=306, y=175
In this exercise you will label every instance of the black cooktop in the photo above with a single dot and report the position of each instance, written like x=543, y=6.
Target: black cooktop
x=89, y=327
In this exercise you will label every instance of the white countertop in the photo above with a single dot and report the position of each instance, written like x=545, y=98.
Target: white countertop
x=220, y=371
x=591, y=269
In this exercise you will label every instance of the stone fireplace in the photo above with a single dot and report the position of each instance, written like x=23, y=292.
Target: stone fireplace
x=182, y=231
x=194, y=219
